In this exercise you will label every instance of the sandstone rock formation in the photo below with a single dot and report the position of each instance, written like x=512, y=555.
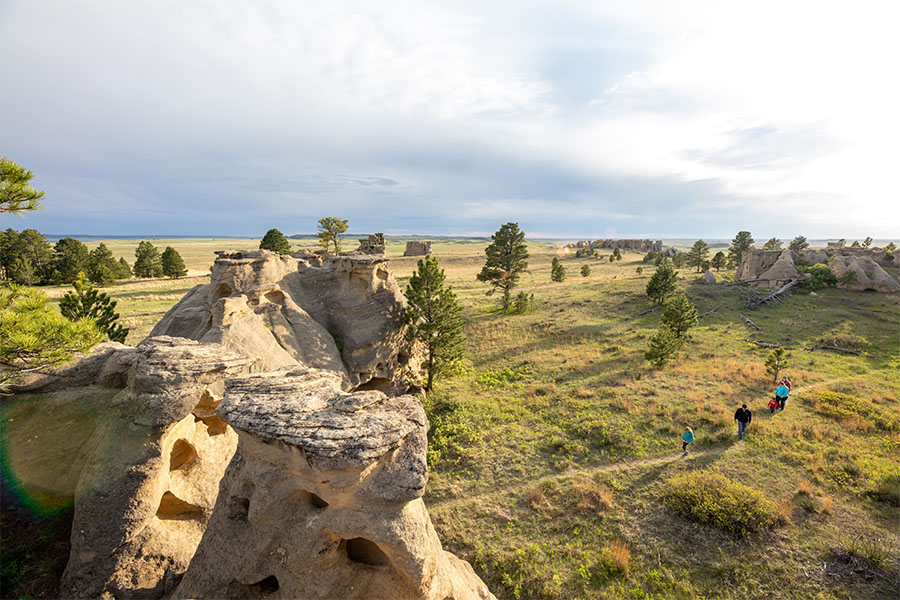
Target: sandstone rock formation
x=148, y=475
x=415, y=248
x=708, y=278
x=323, y=498
x=772, y=266
x=862, y=273
x=373, y=244
x=341, y=313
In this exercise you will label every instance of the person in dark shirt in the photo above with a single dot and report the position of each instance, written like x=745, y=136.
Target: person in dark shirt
x=743, y=416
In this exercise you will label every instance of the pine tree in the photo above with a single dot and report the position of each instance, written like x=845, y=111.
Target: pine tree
x=891, y=247
x=741, y=243
x=72, y=257
x=26, y=257
x=103, y=268
x=772, y=244
x=617, y=254
x=639, y=270
x=87, y=301
x=148, y=262
x=798, y=243
x=662, y=284
x=867, y=242
x=680, y=315
x=718, y=261
x=330, y=230
x=172, y=264
x=663, y=346
x=16, y=193
x=275, y=241
x=434, y=319
x=586, y=271
x=505, y=259
x=123, y=271
x=776, y=362
x=557, y=270
x=36, y=337
x=697, y=254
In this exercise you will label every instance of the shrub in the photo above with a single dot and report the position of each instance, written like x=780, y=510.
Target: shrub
x=820, y=276
x=711, y=498
x=523, y=303
x=585, y=271
x=844, y=339
x=848, y=278
x=613, y=563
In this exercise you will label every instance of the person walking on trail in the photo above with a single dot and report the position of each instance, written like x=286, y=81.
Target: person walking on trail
x=686, y=438
x=743, y=416
x=773, y=404
x=786, y=382
x=781, y=394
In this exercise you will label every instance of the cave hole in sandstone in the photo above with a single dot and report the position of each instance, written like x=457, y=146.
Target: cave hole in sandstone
x=183, y=453
x=403, y=358
x=382, y=384
x=222, y=291
x=260, y=589
x=366, y=552
x=214, y=425
x=239, y=508
x=173, y=508
x=309, y=498
x=275, y=296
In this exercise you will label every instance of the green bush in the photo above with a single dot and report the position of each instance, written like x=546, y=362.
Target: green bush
x=888, y=490
x=710, y=498
x=820, y=277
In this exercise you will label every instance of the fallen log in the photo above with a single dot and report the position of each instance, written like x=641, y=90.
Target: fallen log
x=762, y=344
x=751, y=323
x=647, y=312
x=755, y=302
x=834, y=348
x=709, y=312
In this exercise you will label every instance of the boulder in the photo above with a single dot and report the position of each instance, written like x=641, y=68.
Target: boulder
x=415, y=248
x=708, y=278
x=148, y=475
x=341, y=313
x=861, y=273
x=323, y=498
x=770, y=266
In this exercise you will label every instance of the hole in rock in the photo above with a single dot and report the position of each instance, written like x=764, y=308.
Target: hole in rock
x=403, y=358
x=382, y=384
x=366, y=552
x=182, y=455
x=309, y=498
x=214, y=425
x=173, y=508
x=260, y=589
x=275, y=296
x=238, y=508
x=222, y=291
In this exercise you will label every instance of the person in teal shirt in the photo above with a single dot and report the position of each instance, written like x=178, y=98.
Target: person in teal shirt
x=686, y=438
x=781, y=394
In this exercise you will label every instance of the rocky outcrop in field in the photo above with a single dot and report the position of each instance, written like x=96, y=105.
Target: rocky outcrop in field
x=774, y=267
x=323, y=498
x=862, y=273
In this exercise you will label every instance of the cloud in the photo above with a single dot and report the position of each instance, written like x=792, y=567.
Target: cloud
x=224, y=118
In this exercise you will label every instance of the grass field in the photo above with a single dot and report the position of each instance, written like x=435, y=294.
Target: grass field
x=556, y=456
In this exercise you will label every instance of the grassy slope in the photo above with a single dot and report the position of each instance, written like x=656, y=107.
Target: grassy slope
x=538, y=469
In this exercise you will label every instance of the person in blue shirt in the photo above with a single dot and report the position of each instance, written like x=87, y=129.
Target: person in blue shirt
x=781, y=394
x=687, y=438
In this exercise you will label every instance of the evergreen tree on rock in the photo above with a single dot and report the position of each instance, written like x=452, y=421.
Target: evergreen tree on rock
x=275, y=241
x=330, y=230
x=505, y=259
x=433, y=316
x=172, y=264
x=798, y=243
x=697, y=254
x=148, y=262
x=88, y=302
x=741, y=243
x=772, y=244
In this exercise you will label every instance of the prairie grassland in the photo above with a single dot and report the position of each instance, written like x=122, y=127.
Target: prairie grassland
x=551, y=454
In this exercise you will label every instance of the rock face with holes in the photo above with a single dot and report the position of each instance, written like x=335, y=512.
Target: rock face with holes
x=150, y=473
x=862, y=273
x=323, y=498
x=340, y=313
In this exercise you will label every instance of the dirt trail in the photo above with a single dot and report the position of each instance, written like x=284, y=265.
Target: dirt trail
x=617, y=466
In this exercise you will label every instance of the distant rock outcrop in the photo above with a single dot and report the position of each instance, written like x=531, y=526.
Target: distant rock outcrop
x=636, y=245
x=323, y=498
x=862, y=273
x=374, y=244
x=770, y=266
x=416, y=248
x=342, y=313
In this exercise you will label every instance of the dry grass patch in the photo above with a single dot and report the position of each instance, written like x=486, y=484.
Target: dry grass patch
x=805, y=487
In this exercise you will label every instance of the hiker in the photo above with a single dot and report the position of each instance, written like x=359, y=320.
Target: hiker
x=781, y=394
x=773, y=404
x=786, y=382
x=686, y=438
x=743, y=416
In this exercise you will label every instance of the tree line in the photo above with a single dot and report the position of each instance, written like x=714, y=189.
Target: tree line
x=27, y=258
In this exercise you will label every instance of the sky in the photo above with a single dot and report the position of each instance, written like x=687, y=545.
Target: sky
x=586, y=119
